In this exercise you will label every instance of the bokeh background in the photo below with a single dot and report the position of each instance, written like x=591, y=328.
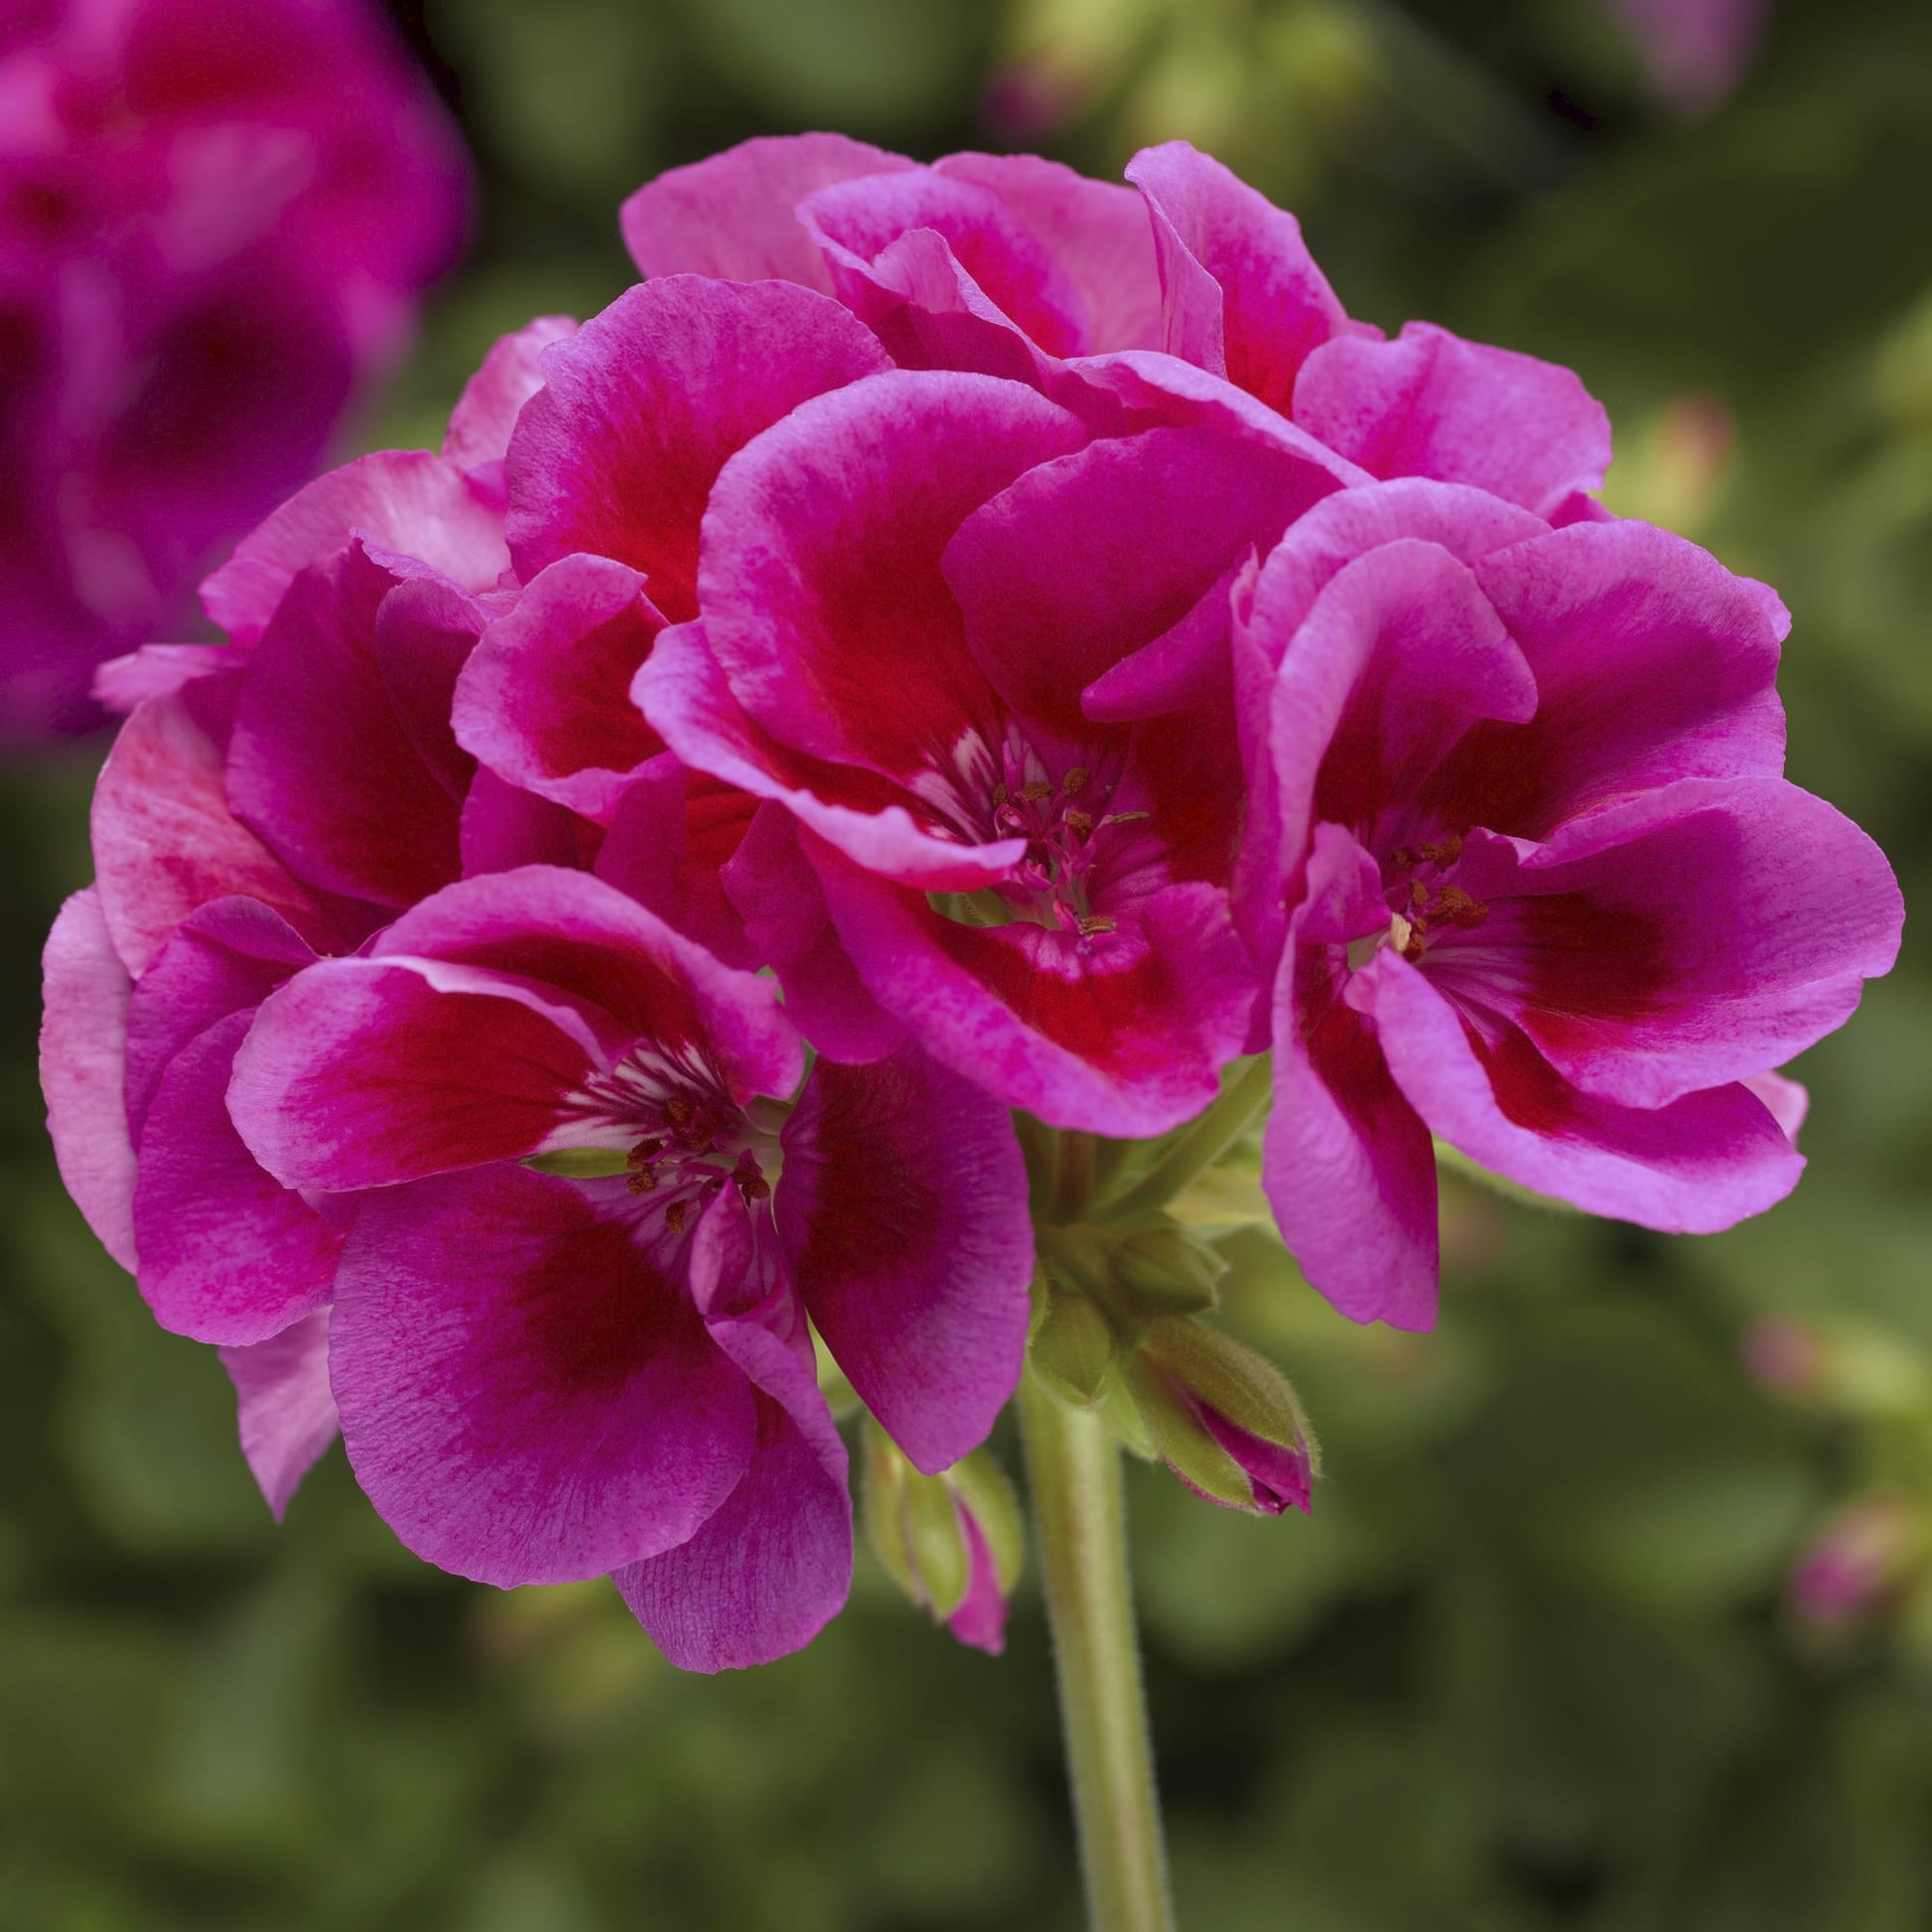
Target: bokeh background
x=1615, y=1608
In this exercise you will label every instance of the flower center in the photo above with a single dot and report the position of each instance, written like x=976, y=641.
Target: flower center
x=1061, y=816
x=1426, y=901
x=682, y=1139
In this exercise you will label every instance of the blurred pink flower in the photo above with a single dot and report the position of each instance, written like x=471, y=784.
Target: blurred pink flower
x=1855, y=1565
x=1695, y=52
x=216, y=220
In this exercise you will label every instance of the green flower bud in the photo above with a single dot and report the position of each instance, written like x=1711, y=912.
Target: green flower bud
x=1223, y=1419
x=953, y=1542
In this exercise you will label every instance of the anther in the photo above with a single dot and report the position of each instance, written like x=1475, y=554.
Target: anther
x=1074, y=779
x=679, y=1111
x=1095, y=922
x=643, y=1182
x=1035, y=789
x=1080, y=823
x=645, y=1152
x=1000, y=794
x=676, y=1215
x=1456, y=906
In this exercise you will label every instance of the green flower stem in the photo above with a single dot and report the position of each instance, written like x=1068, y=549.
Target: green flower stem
x=1197, y=1147
x=1080, y=1514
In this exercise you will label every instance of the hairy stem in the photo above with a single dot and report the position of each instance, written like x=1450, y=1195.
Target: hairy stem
x=1080, y=1514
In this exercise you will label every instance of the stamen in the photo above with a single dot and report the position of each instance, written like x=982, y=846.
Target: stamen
x=1035, y=789
x=1081, y=822
x=676, y=1215
x=1095, y=922
x=1074, y=779
x=1458, y=908
x=643, y=1182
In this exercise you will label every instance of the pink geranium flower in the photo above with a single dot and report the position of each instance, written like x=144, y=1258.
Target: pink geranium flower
x=1545, y=894
x=215, y=224
x=542, y=1378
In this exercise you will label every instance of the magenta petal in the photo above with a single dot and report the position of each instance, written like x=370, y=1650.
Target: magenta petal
x=1399, y=657
x=732, y=216
x=425, y=631
x=545, y=698
x=768, y=1570
x=362, y=1073
x=1243, y=296
x=775, y=889
x=286, y=1413
x=83, y=1043
x=224, y=958
x=1096, y=233
x=1278, y=1473
x=1082, y=561
x=822, y=562
x=511, y=373
x=320, y=766
x=414, y=503
x=503, y=826
x=1652, y=664
x=981, y=1618
x=525, y=1396
x=227, y=1254
x=156, y=670
x=564, y=941
x=859, y=222
x=1682, y=940
x=903, y=1207
x=1126, y=1036
x=166, y=842
x=764, y=1572
x=1348, y=1167
x=684, y=694
x=1702, y=1164
x=1788, y=1101
x=1430, y=404
x=641, y=407
x=673, y=834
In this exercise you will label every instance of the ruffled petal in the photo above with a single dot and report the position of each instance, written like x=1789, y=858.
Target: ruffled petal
x=412, y=502
x=527, y=1395
x=1349, y=1168
x=83, y=1043
x=321, y=765
x=1703, y=1162
x=1686, y=939
x=641, y=407
x=772, y=1564
x=166, y=841
x=903, y=1207
x=1652, y=664
x=227, y=1254
x=1243, y=296
x=1123, y=1035
x=286, y=1414
x=511, y=373
x=545, y=698
x=732, y=216
x=1430, y=404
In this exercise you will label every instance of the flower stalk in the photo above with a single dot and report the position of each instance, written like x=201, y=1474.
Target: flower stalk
x=1080, y=1514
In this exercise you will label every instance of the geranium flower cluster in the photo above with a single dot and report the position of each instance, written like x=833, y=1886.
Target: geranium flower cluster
x=952, y=640
x=216, y=220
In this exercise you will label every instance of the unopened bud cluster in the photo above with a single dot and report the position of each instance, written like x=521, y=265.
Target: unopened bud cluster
x=1117, y=1326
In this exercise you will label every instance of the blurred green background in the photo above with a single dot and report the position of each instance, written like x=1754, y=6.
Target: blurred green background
x=1536, y=1661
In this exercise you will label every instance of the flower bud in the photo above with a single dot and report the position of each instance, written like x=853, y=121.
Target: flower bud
x=1072, y=1346
x=952, y=1543
x=1167, y=1271
x=1857, y=1566
x=1223, y=1419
